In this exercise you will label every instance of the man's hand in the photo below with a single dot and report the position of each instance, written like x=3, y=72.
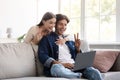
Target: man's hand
x=68, y=65
x=77, y=42
x=55, y=62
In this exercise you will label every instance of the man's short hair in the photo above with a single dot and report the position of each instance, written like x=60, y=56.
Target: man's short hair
x=61, y=17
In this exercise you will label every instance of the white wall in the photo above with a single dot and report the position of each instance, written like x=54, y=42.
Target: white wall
x=20, y=15
x=118, y=21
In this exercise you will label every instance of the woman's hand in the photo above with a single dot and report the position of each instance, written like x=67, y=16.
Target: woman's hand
x=61, y=41
x=77, y=42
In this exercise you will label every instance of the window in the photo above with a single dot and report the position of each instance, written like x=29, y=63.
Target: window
x=100, y=20
x=95, y=20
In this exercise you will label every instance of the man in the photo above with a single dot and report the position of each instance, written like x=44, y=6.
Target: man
x=58, y=59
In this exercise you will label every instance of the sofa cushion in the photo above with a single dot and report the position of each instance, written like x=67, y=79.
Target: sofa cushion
x=16, y=60
x=112, y=76
x=39, y=66
x=116, y=65
x=104, y=60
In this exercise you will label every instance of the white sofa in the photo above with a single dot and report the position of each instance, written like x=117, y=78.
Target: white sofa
x=19, y=61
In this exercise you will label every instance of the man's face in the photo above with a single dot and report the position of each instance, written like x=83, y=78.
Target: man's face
x=61, y=27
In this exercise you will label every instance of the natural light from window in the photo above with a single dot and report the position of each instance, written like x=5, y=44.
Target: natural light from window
x=98, y=22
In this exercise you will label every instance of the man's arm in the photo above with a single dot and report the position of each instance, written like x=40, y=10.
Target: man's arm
x=43, y=52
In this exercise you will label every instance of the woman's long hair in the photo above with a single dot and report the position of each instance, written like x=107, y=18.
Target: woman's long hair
x=46, y=16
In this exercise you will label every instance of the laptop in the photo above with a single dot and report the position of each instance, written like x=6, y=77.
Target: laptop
x=84, y=60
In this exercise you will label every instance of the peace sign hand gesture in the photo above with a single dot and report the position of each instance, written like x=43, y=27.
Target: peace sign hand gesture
x=77, y=42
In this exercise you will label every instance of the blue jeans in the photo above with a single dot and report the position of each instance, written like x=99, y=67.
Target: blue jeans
x=58, y=70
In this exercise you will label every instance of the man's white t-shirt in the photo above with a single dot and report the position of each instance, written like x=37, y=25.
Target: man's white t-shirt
x=64, y=54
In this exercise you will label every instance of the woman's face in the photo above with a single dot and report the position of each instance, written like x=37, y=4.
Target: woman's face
x=49, y=24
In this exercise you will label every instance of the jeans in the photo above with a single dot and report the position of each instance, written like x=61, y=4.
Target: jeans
x=58, y=70
x=92, y=74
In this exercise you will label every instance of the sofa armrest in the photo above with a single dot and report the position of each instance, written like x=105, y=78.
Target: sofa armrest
x=84, y=46
x=16, y=60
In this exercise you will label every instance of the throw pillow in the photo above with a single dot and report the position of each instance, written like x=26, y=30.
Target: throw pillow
x=116, y=66
x=104, y=60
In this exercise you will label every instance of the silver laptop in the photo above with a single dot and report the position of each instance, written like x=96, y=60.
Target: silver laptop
x=84, y=60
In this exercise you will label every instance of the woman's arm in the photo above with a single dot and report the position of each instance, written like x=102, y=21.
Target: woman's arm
x=33, y=36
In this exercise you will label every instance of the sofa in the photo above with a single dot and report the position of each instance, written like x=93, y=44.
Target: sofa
x=19, y=61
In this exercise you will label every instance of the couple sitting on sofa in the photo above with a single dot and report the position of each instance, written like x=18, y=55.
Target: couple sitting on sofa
x=57, y=53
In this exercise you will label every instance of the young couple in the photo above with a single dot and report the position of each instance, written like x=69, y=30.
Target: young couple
x=35, y=33
x=58, y=59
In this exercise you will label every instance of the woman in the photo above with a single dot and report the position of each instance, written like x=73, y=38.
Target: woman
x=45, y=26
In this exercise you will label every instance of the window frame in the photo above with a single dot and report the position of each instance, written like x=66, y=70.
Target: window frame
x=83, y=28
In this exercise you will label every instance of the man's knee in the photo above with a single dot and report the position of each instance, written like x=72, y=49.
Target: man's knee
x=93, y=73
x=56, y=69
